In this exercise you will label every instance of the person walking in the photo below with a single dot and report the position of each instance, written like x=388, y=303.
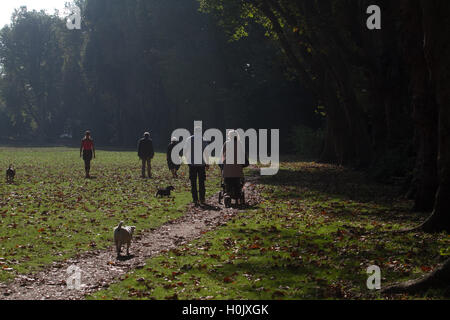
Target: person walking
x=233, y=161
x=197, y=167
x=172, y=166
x=87, y=151
x=146, y=154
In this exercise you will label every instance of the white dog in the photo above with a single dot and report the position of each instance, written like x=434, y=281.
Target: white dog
x=123, y=235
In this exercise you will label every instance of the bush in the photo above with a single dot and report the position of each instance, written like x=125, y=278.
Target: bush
x=5, y=125
x=307, y=142
x=394, y=163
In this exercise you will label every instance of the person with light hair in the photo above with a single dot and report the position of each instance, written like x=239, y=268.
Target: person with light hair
x=233, y=167
x=233, y=161
x=173, y=168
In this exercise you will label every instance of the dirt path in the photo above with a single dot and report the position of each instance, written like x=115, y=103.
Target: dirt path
x=99, y=269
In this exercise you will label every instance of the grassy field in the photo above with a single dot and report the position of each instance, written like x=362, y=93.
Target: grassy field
x=313, y=237
x=52, y=213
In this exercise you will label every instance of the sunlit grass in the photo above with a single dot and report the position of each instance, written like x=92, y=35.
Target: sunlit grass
x=313, y=237
x=52, y=213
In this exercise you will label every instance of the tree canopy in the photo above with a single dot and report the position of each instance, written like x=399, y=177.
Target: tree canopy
x=140, y=66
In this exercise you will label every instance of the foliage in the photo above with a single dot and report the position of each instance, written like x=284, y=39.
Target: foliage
x=31, y=59
x=395, y=163
x=307, y=142
x=140, y=65
x=332, y=54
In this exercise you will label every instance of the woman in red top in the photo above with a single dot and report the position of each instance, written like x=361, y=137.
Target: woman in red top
x=87, y=150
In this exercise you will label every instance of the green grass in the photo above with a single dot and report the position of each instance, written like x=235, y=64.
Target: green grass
x=313, y=237
x=52, y=213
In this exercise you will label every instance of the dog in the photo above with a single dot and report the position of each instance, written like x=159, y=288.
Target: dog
x=10, y=174
x=123, y=235
x=164, y=192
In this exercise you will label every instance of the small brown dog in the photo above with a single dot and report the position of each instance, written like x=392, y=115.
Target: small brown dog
x=10, y=174
x=123, y=235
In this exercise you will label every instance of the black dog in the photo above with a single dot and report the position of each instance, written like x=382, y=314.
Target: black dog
x=164, y=192
x=10, y=174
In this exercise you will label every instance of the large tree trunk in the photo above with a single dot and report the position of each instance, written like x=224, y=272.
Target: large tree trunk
x=357, y=145
x=437, y=50
x=425, y=182
x=338, y=148
x=354, y=141
x=377, y=116
x=328, y=154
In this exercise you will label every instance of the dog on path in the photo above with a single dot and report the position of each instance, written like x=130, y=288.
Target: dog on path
x=10, y=174
x=123, y=235
x=164, y=192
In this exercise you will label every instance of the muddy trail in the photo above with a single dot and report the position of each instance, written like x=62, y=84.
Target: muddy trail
x=99, y=269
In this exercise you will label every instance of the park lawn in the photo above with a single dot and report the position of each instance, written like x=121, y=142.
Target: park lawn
x=52, y=213
x=314, y=237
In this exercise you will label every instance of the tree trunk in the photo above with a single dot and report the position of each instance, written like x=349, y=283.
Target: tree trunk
x=356, y=146
x=328, y=154
x=339, y=137
x=440, y=278
x=424, y=184
x=378, y=127
x=425, y=116
x=437, y=50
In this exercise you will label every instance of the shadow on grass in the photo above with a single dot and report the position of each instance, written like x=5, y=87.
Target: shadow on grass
x=348, y=193
x=333, y=181
x=317, y=271
x=209, y=207
x=282, y=278
x=126, y=258
x=245, y=206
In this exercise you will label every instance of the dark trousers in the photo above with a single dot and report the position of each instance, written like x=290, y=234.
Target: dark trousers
x=197, y=172
x=87, y=157
x=232, y=186
x=87, y=165
x=147, y=163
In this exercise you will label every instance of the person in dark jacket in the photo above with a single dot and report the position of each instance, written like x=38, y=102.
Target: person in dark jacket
x=172, y=166
x=197, y=168
x=146, y=153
